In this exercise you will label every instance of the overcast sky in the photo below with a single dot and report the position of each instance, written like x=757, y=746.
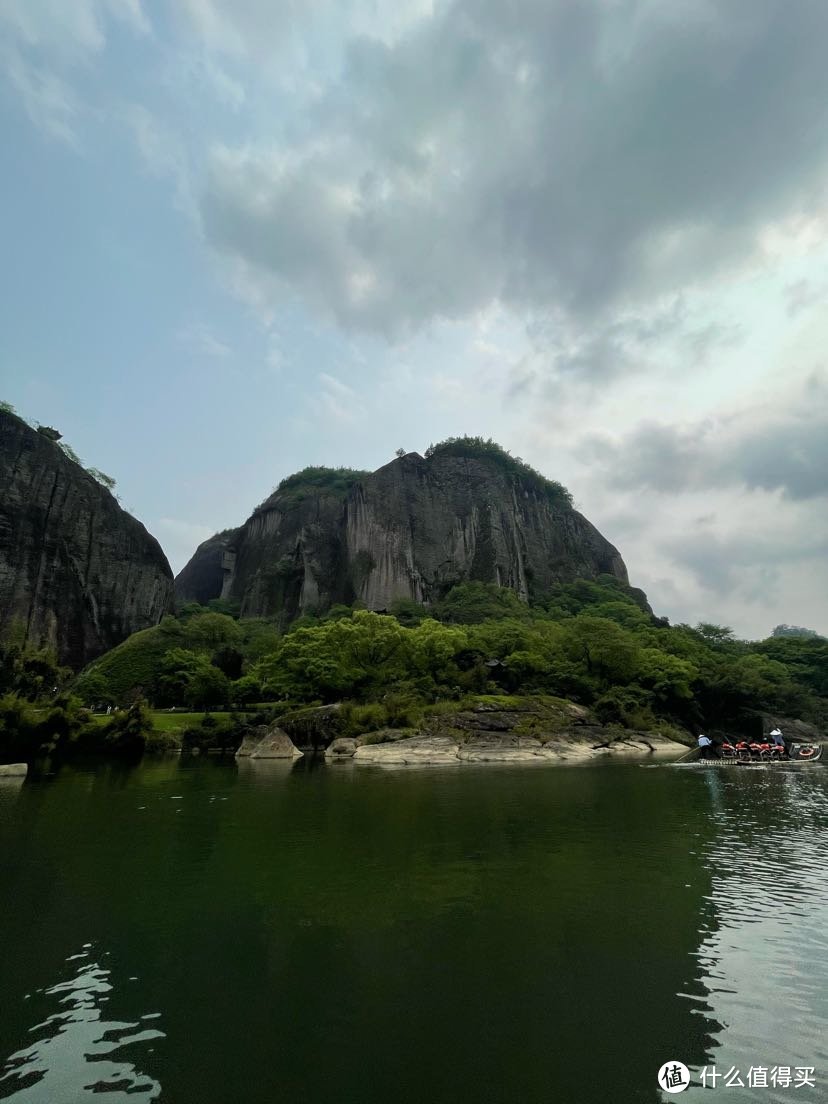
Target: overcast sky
x=244, y=236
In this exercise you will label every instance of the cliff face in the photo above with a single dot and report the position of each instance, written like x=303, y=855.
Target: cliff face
x=77, y=572
x=412, y=530
x=203, y=577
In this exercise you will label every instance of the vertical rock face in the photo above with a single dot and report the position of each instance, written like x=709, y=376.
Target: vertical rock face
x=77, y=572
x=413, y=529
x=203, y=577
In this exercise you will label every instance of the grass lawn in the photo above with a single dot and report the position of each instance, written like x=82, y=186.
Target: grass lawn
x=168, y=722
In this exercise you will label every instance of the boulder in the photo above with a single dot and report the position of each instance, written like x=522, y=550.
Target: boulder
x=501, y=749
x=385, y=736
x=343, y=747
x=314, y=727
x=13, y=770
x=268, y=743
x=800, y=732
x=413, y=751
x=251, y=741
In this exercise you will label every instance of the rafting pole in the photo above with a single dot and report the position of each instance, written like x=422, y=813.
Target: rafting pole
x=686, y=754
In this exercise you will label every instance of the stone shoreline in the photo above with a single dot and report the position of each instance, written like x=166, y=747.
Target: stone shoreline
x=437, y=750
x=488, y=731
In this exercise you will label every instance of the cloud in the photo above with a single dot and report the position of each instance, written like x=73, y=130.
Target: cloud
x=580, y=158
x=38, y=40
x=69, y=30
x=335, y=399
x=750, y=562
x=50, y=102
x=253, y=29
x=202, y=340
x=803, y=294
x=161, y=150
x=781, y=447
x=180, y=539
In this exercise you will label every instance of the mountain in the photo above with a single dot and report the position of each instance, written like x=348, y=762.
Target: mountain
x=203, y=576
x=77, y=572
x=413, y=529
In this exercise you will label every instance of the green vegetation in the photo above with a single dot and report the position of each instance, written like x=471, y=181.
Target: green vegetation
x=317, y=480
x=480, y=448
x=796, y=630
x=338, y=481
x=594, y=643
x=54, y=435
x=199, y=659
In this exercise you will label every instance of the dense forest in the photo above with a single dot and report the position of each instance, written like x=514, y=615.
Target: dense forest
x=592, y=642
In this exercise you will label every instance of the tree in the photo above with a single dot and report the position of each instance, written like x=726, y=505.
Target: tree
x=609, y=653
x=229, y=660
x=795, y=630
x=431, y=649
x=333, y=659
x=211, y=630
x=102, y=478
x=407, y=611
x=715, y=635
x=400, y=453
x=176, y=672
x=207, y=687
x=33, y=673
x=246, y=690
x=470, y=603
x=94, y=690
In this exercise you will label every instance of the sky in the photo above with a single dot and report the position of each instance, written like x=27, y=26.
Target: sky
x=244, y=236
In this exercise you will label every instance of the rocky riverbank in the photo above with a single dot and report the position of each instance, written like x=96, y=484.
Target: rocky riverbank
x=426, y=749
x=488, y=730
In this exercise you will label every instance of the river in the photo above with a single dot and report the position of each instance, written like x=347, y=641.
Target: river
x=200, y=933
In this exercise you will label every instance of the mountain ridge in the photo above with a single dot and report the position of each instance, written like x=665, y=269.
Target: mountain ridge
x=466, y=511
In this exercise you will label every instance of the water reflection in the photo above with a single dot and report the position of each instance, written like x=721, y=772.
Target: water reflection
x=763, y=956
x=461, y=935
x=77, y=1052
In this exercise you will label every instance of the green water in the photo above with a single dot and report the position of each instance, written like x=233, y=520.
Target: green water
x=206, y=934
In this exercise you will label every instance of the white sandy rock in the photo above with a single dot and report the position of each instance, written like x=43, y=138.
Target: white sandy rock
x=13, y=770
x=268, y=743
x=417, y=750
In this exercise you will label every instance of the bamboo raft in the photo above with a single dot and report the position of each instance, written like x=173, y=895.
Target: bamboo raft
x=758, y=755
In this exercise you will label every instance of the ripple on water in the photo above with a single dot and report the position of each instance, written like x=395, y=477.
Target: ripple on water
x=765, y=957
x=77, y=1053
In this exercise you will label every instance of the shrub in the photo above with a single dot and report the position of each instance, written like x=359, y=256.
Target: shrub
x=479, y=448
x=213, y=734
x=362, y=718
x=317, y=480
x=626, y=705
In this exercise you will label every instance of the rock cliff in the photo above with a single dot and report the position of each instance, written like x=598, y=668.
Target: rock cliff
x=203, y=577
x=77, y=572
x=412, y=529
